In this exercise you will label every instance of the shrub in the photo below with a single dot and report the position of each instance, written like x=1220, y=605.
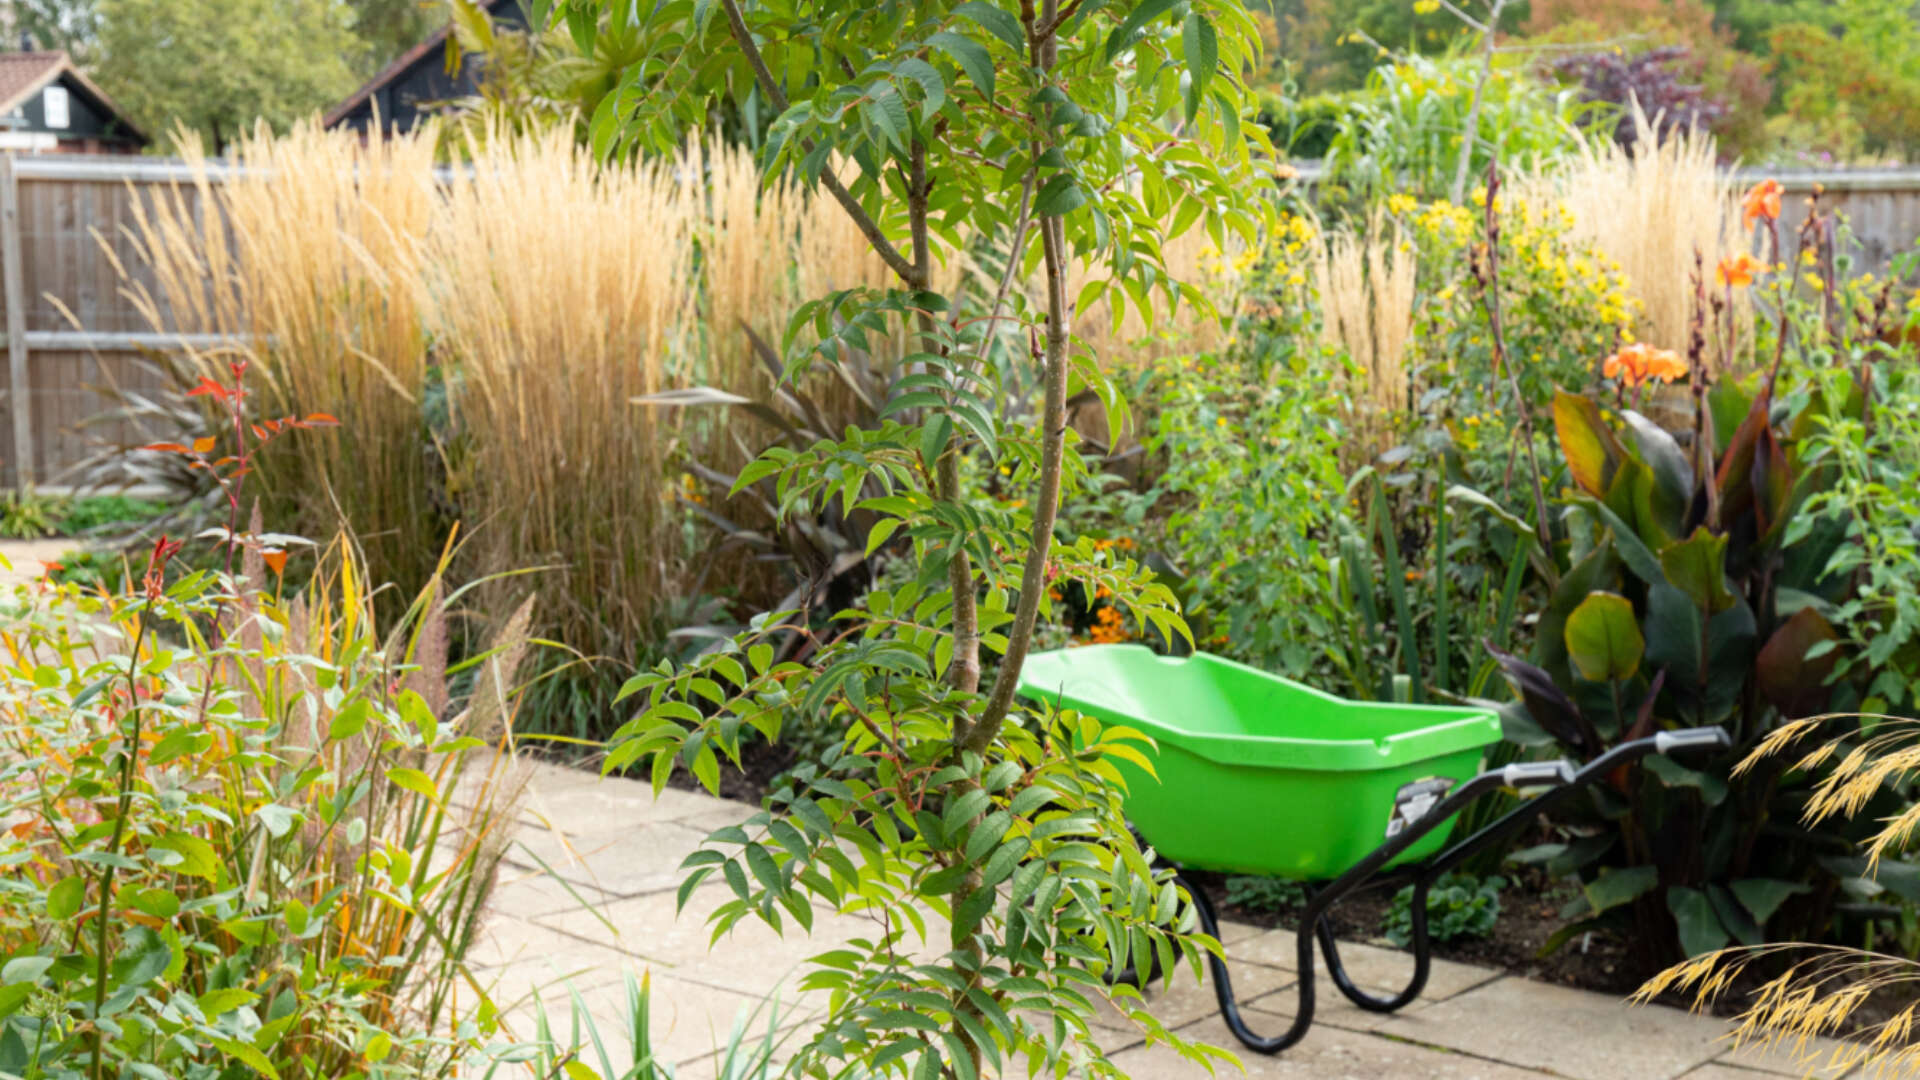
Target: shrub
x=1698, y=590
x=1652, y=81
x=285, y=872
x=1250, y=442
x=1458, y=906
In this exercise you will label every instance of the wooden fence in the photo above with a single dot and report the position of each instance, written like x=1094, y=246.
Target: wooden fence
x=57, y=212
x=73, y=330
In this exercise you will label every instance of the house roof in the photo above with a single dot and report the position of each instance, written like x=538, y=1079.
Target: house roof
x=23, y=74
x=400, y=65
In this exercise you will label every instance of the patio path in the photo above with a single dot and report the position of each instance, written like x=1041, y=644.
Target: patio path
x=620, y=856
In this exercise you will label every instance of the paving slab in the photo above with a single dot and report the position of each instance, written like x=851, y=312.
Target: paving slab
x=1821, y=1058
x=1574, y=1033
x=1326, y=1053
x=752, y=958
x=617, y=850
x=1180, y=1000
x=1371, y=967
x=621, y=861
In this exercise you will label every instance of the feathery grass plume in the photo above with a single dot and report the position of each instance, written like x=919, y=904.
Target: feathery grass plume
x=1822, y=986
x=1650, y=211
x=561, y=289
x=306, y=262
x=1365, y=281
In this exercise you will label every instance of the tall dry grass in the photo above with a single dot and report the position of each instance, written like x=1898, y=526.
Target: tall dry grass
x=481, y=332
x=307, y=262
x=1651, y=211
x=560, y=290
x=1365, y=280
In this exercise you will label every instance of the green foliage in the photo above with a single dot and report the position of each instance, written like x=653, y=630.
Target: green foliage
x=1250, y=443
x=214, y=67
x=1402, y=133
x=88, y=513
x=1459, y=905
x=1873, y=485
x=257, y=888
x=26, y=515
x=1692, y=595
x=1270, y=894
x=1049, y=131
x=31, y=515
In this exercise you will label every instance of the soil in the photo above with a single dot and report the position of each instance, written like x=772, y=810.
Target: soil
x=1529, y=916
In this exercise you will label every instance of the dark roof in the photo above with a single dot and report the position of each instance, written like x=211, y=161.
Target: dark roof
x=397, y=68
x=24, y=74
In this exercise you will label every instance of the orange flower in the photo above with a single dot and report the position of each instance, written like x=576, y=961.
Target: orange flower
x=1638, y=362
x=1762, y=200
x=1738, y=270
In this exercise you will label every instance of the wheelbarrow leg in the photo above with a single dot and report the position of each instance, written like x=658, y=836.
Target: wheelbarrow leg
x=1422, y=959
x=1312, y=919
x=1223, y=982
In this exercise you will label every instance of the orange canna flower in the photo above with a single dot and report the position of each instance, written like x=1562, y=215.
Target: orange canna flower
x=1639, y=362
x=1738, y=270
x=1762, y=200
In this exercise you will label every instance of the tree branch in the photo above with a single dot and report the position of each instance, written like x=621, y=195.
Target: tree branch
x=1053, y=439
x=890, y=254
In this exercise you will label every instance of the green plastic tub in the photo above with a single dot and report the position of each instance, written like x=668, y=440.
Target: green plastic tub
x=1260, y=775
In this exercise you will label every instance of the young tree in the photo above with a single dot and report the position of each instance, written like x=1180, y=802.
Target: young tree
x=1057, y=131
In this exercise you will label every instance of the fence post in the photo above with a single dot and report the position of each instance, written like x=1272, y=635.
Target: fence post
x=19, y=390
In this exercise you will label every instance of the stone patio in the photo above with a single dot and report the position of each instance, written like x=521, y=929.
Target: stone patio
x=607, y=908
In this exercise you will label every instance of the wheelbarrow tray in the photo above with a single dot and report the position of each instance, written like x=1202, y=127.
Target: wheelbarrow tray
x=1260, y=775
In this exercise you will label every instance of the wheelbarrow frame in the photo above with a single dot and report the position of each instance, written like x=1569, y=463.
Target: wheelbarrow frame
x=1559, y=777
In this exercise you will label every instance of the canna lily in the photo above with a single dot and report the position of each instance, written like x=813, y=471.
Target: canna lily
x=1738, y=271
x=1639, y=362
x=1762, y=201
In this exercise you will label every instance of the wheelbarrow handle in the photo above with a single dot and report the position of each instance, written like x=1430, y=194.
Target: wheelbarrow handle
x=1561, y=779
x=1533, y=774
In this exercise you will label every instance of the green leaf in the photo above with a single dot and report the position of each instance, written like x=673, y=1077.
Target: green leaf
x=246, y=1055
x=1693, y=915
x=65, y=898
x=933, y=88
x=996, y=21
x=970, y=55
x=219, y=1002
x=25, y=969
x=415, y=781
x=1675, y=775
x=349, y=721
x=1591, y=450
x=1202, y=50
x=1134, y=24
x=1615, y=886
x=1763, y=896
x=197, y=857
x=1697, y=566
x=1603, y=638
x=1059, y=195
x=1734, y=917
x=278, y=819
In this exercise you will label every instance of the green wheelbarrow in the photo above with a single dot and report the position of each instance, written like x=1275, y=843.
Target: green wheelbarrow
x=1261, y=775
